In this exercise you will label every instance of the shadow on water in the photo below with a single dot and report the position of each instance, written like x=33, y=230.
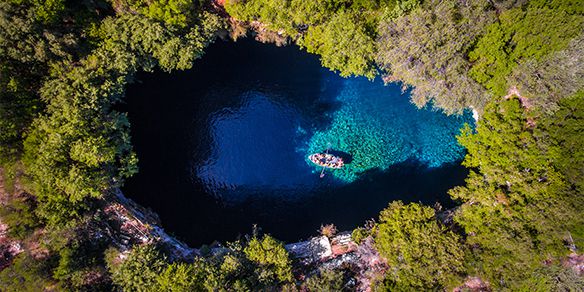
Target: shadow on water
x=347, y=206
x=235, y=96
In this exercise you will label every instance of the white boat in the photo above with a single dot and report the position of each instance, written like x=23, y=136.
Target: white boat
x=327, y=160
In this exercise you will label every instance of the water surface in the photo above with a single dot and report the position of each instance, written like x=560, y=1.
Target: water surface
x=223, y=146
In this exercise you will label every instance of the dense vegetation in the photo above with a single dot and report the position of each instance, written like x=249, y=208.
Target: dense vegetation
x=64, y=148
x=262, y=263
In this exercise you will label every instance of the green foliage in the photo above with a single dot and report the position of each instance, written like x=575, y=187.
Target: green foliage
x=336, y=30
x=325, y=281
x=18, y=213
x=234, y=270
x=133, y=42
x=564, y=129
x=26, y=274
x=312, y=12
x=140, y=270
x=46, y=11
x=359, y=234
x=25, y=47
x=343, y=44
x=24, y=39
x=519, y=208
x=173, y=12
x=261, y=264
x=426, y=49
x=272, y=13
x=18, y=105
x=554, y=77
x=187, y=277
x=523, y=33
x=396, y=9
x=503, y=131
x=421, y=253
x=553, y=278
x=521, y=205
x=81, y=265
x=273, y=263
x=79, y=149
x=10, y=172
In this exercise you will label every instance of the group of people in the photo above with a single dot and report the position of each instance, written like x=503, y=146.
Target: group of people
x=328, y=160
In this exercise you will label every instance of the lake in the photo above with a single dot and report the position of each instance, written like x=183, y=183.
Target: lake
x=224, y=146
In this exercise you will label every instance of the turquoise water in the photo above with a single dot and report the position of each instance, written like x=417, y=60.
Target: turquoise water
x=379, y=127
x=224, y=146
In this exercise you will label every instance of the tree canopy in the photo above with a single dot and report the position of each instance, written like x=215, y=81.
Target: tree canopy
x=420, y=252
x=529, y=32
x=519, y=206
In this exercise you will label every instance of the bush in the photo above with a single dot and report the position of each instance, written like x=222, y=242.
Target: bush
x=328, y=230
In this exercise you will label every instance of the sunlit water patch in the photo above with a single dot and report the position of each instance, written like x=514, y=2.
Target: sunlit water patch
x=379, y=127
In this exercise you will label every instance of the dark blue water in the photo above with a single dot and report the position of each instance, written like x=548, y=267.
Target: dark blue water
x=224, y=146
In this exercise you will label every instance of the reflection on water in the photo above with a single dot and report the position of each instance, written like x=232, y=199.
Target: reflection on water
x=224, y=146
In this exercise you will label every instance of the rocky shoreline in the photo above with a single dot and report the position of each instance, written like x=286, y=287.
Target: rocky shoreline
x=137, y=225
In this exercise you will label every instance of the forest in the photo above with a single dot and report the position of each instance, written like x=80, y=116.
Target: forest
x=65, y=147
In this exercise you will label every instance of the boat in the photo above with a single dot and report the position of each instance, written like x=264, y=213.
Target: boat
x=327, y=160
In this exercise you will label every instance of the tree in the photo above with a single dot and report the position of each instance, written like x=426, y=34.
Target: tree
x=336, y=30
x=343, y=45
x=273, y=13
x=81, y=265
x=553, y=278
x=421, y=253
x=523, y=33
x=26, y=274
x=133, y=42
x=80, y=148
x=26, y=49
x=177, y=13
x=18, y=106
x=564, y=129
x=554, y=77
x=518, y=207
x=271, y=259
x=197, y=276
x=140, y=270
x=24, y=39
x=426, y=49
x=46, y=11
x=18, y=213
